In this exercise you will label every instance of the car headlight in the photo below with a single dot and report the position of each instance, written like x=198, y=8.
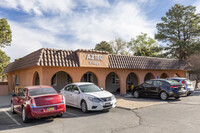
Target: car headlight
x=94, y=99
x=113, y=97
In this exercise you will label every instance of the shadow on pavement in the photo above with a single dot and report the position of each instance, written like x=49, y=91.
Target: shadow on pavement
x=7, y=124
x=146, y=98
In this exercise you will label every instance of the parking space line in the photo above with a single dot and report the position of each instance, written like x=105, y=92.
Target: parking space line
x=13, y=119
x=71, y=113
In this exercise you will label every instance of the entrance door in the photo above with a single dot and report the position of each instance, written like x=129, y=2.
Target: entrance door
x=89, y=77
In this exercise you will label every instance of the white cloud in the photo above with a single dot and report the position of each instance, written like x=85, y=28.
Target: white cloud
x=197, y=5
x=26, y=40
x=38, y=7
x=78, y=29
x=95, y=3
x=123, y=20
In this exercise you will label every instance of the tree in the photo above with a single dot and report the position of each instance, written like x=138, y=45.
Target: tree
x=5, y=33
x=118, y=46
x=179, y=29
x=144, y=46
x=194, y=62
x=4, y=61
x=103, y=46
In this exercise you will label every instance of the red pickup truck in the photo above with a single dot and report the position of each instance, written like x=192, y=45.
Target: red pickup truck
x=37, y=101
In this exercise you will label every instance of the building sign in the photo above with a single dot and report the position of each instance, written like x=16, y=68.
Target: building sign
x=94, y=59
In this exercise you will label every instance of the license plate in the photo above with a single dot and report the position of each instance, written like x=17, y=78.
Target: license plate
x=107, y=104
x=50, y=109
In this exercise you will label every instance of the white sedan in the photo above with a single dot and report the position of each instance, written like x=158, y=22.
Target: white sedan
x=88, y=97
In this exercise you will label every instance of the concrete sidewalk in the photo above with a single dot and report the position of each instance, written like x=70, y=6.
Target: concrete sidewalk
x=128, y=102
x=5, y=101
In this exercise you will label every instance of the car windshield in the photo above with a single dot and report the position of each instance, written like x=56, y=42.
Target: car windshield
x=42, y=91
x=89, y=88
x=173, y=82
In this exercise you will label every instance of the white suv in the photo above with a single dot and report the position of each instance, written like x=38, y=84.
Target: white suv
x=88, y=97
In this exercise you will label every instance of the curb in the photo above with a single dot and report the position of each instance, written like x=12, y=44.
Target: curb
x=123, y=108
x=4, y=106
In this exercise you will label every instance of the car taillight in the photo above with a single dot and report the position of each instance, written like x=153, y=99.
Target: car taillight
x=183, y=82
x=63, y=98
x=173, y=86
x=32, y=102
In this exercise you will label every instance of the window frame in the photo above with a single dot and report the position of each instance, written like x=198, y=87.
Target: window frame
x=114, y=78
x=55, y=81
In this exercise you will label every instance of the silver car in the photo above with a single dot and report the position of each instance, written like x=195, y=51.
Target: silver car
x=187, y=83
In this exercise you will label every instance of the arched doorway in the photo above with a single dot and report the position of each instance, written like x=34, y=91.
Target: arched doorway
x=131, y=81
x=60, y=80
x=36, y=79
x=149, y=76
x=112, y=83
x=89, y=77
x=164, y=76
x=176, y=75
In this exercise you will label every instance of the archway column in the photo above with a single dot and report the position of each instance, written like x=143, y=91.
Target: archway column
x=122, y=85
x=102, y=83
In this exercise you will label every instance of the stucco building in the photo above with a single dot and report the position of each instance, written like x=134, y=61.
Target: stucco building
x=112, y=72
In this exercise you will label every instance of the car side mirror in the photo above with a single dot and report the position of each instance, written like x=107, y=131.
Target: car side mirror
x=102, y=89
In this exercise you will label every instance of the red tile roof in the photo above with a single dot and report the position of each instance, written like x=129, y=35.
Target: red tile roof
x=69, y=58
x=142, y=62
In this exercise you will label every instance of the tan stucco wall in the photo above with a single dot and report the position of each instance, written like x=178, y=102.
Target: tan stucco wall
x=46, y=73
x=3, y=90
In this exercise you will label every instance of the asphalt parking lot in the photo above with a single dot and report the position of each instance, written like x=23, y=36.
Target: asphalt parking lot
x=177, y=116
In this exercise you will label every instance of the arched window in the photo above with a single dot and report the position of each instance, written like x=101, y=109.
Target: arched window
x=149, y=76
x=89, y=77
x=164, y=76
x=112, y=82
x=36, y=79
x=131, y=81
x=60, y=80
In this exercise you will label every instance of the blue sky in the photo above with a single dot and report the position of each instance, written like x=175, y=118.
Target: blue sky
x=76, y=24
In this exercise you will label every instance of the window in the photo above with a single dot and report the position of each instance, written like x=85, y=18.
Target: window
x=157, y=83
x=17, y=80
x=54, y=80
x=69, y=79
x=115, y=79
x=68, y=88
x=89, y=88
x=42, y=91
x=148, y=83
x=75, y=88
x=88, y=77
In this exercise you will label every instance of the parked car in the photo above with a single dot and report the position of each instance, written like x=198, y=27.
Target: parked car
x=187, y=83
x=37, y=101
x=88, y=97
x=160, y=87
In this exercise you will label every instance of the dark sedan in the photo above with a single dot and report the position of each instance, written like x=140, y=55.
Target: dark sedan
x=160, y=87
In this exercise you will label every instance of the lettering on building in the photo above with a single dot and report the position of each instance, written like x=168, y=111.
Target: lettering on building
x=94, y=59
